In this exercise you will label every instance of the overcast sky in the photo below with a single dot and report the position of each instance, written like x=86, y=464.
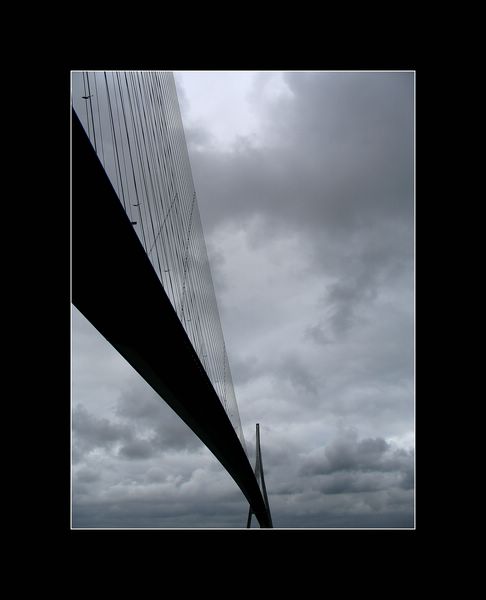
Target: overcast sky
x=305, y=184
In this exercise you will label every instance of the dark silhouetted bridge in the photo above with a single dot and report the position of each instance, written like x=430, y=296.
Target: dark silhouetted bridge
x=140, y=271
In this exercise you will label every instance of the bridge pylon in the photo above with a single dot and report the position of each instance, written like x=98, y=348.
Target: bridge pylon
x=260, y=479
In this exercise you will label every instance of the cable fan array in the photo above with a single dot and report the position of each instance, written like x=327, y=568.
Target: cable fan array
x=134, y=123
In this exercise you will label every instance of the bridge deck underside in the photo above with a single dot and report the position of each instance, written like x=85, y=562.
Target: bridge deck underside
x=110, y=272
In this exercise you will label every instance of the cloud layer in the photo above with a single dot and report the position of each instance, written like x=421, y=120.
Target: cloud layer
x=308, y=215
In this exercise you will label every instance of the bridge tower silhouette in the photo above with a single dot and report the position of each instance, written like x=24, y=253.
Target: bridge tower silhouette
x=140, y=270
x=260, y=478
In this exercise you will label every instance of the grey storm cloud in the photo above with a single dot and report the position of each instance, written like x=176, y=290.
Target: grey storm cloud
x=291, y=368
x=335, y=168
x=87, y=476
x=338, y=155
x=141, y=412
x=140, y=405
x=310, y=233
x=288, y=367
x=137, y=449
x=92, y=432
x=348, y=455
x=368, y=478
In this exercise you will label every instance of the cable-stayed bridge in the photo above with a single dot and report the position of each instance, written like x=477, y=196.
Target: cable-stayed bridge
x=140, y=270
